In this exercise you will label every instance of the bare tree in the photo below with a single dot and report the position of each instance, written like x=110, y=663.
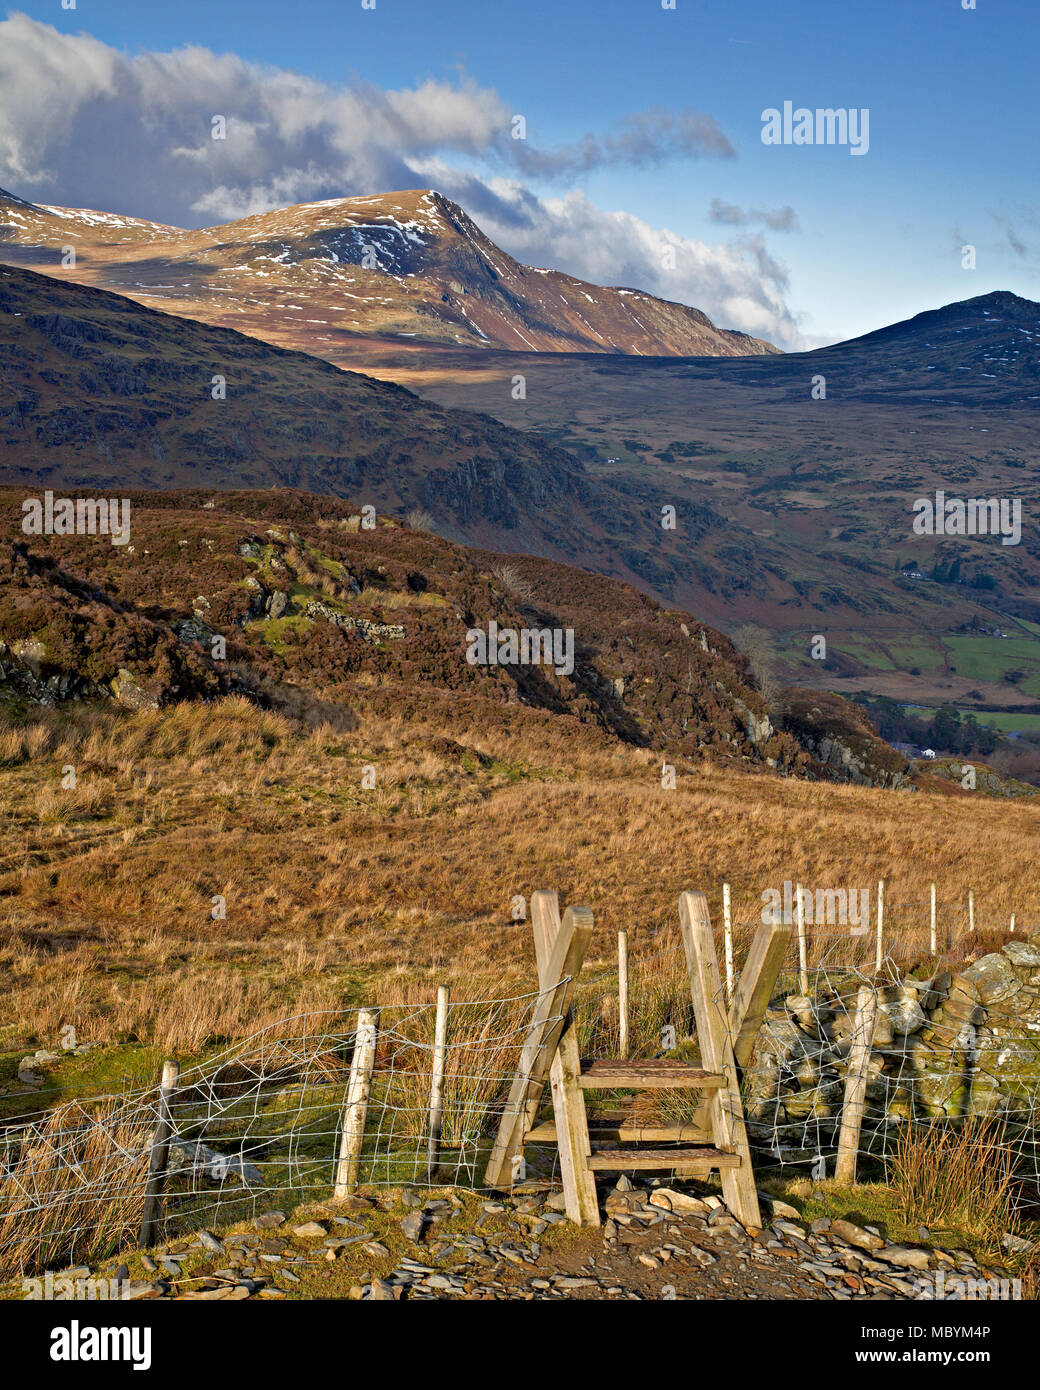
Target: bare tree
x=759, y=646
x=511, y=579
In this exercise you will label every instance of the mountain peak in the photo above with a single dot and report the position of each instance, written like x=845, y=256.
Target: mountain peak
x=7, y=197
x=411, y=265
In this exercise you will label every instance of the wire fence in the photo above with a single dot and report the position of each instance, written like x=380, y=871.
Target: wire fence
x=261, y=1123
x=949, y=1044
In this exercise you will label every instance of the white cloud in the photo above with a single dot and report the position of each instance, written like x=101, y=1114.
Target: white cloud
x=85, y=125
x=737, y=284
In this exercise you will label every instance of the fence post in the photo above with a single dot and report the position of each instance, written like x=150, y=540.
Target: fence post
x=440, y=1044
x=856, y=1085
x=727, y=941
x=1012, y=928
x=622, y=972
x=803, y=960
x=352, y=1135
x=160, y=1148
x=934, y=935
x=971, y=911
x=879, y=953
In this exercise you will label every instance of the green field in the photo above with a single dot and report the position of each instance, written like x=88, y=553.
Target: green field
x=922, y=656
x=990, y=719
x=988, y=658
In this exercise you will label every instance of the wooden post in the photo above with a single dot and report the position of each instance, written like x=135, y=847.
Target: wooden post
x=549, y=1019
x=971, y=911
x=352, y=1134
x=934, y=935
x=727, y=936
x=879, y=953
x=716, y=1046
x=1012, y=927
x=803, y=963
x=160, y=1148
x=572, y=1125
x=856, y=1085
x=757, y=979
x=622, y=970
x=440, y=1040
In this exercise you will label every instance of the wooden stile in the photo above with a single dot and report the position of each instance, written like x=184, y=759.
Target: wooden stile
x=716, y=1044
x=579, y=1185
x=714, y=1139
x=547, y=1023
x=755, y=988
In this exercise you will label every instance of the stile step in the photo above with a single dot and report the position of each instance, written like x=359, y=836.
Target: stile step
x=627, y=1132
x=699, y=1160
x=605, y=1073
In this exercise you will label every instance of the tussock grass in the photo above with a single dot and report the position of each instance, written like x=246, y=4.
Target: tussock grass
x=48, y=1220
x=337, y=893
x=956, y=1177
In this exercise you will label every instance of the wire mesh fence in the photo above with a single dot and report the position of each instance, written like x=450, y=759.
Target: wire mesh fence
x=261, y=1123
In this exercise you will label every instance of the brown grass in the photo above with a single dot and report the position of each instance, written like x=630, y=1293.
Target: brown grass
x=48, y=1220
x=957, y=1178
x=336, y=894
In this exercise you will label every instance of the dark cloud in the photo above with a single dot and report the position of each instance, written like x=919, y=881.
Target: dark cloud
x=730, y=214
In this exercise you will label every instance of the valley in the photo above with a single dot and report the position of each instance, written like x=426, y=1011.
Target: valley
x=794, y=510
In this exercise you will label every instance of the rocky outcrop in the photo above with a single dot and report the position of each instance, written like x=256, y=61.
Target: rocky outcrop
x=370, y=631
x=843, y=742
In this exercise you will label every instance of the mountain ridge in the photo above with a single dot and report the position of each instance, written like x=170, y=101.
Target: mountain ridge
x=411, y=264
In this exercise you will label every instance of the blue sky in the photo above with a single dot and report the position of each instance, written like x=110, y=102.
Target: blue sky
x=952, y=157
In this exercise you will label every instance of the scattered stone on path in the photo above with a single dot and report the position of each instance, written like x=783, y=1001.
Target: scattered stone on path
x=856, y=1235
x=413, y=1226
x=311, y=1230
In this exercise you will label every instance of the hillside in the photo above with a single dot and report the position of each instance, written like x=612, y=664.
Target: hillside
x=318, y=275
x=948, y=400
x=790, y=512
x=367, y=802
x=308, y=599
x=98, y=391
x=101, y=392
